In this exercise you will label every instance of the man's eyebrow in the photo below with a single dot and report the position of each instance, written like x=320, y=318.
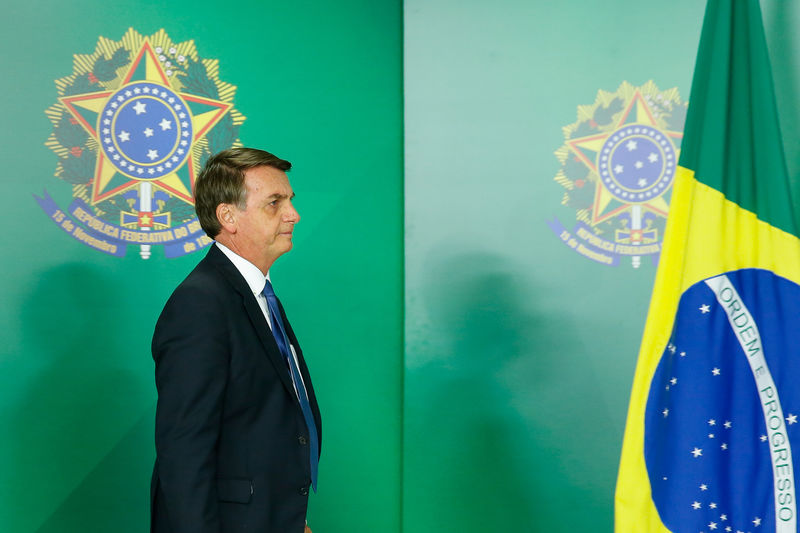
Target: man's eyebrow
x=279, y=196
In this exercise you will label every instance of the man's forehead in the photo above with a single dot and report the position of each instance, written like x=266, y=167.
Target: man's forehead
x=268, y=180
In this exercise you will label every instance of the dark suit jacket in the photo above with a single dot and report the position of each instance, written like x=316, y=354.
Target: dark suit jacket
x=232, y=451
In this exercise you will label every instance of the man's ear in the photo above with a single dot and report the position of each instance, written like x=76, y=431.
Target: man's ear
x=227, y=217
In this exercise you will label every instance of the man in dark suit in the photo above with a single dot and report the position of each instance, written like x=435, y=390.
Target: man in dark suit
x=237, y=422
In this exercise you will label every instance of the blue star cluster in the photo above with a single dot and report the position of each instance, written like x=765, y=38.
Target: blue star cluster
x=637, y=163
x=146, y=130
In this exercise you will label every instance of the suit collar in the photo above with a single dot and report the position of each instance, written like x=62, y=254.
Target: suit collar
x=216, y=258
x=223, y=264
x=251, y=273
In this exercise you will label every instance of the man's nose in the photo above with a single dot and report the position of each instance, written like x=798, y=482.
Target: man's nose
x=292, y=215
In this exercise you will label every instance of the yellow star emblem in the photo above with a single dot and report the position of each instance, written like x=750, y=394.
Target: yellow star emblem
x=145, y=130
x=613, y=194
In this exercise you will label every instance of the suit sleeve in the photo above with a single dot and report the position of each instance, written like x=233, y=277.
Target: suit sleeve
x=191, y=355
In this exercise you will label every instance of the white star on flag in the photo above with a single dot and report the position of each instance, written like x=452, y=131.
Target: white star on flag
x=152, y=154
x=148, y=132
x=704, y=308
x=791, y=419
x=757, y=522
x=618, y=169
x=638, y=164
x=653, y=157
x=642, y=182
x=715, y=371
x=140, y=107
x=165, y=124
x=696, y=505
x=697, y=452
x=124, y=136
x=631, y=145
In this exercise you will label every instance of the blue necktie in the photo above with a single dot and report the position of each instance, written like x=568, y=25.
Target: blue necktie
x=279, y=332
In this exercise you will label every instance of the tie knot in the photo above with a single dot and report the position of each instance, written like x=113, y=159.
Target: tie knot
x=268, y=291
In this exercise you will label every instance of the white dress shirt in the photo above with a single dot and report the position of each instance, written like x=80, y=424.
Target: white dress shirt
x=257, y=281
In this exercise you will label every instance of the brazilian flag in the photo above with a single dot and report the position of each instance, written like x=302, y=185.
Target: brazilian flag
x=713, y=433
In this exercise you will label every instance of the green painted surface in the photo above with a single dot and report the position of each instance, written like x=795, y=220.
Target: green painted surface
x=321, y=85
x=519, y=352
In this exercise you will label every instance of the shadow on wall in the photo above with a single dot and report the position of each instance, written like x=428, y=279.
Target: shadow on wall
x=489, y=404
x=73, y=470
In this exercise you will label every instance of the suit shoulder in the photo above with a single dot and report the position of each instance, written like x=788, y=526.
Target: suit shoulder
x=200, y=286
x=203, y=296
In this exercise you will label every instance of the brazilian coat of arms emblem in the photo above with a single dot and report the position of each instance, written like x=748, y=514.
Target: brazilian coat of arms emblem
x=132, y=125
x=618, y=162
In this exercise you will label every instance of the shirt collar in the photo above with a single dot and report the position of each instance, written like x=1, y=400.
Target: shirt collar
x=251, y=273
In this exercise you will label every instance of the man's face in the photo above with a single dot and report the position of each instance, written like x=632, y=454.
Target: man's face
x=264, y=227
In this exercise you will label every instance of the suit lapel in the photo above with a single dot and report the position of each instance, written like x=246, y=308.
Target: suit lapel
x=268, y=342
x=312, y=398
x=259, y=323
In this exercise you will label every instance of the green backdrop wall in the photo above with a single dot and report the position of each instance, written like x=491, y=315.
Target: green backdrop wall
x=520, y=352
x=473, y=370
x=320, y=84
